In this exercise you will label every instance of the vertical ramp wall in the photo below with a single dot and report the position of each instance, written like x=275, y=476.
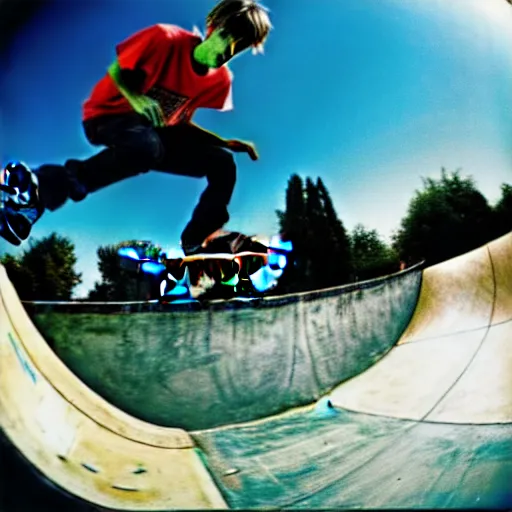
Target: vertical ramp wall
x=230, y=363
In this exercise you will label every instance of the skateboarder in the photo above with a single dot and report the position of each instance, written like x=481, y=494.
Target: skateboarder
x=141, y=110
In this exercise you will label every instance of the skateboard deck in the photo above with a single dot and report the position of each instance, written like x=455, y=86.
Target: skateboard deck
x=243, y=275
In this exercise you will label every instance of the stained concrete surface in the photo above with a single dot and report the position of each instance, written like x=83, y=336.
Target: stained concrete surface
x=244, y=362
x=423, y=419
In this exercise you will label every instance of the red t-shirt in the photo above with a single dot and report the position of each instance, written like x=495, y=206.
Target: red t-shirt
x=163, y=52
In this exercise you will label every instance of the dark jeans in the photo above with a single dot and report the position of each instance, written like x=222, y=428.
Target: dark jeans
x=135, y=147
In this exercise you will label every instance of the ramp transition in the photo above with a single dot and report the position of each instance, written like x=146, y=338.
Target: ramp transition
x=246, y=361
x=427, y=424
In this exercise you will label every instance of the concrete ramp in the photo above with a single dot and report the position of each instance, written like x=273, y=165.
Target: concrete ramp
x=428, y=426
x=246, y=360
x=81, y=443
x=453, y=364
x=424, y=422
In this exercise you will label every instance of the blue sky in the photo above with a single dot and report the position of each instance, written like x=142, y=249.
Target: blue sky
x=371, y=95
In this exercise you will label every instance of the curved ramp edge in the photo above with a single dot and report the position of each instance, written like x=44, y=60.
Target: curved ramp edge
x=246, y=360
x=96, y=461
x=453, y=363
x=428, y=426
x=500, y=252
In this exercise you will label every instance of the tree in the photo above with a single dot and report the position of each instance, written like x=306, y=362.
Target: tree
x=20, y=276
x=340, y=258
x=371, y=256
x=292, y=220
x=293, y=227
x=316, y=238
x=503, y=211
x=44, y=271
x=447, y=218
x=117, y=283
x=321, y=249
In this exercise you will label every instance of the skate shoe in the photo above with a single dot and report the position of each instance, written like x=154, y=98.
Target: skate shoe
x=20, y=206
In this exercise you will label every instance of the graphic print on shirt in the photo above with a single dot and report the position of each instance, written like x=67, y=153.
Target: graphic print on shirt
x=172, y=104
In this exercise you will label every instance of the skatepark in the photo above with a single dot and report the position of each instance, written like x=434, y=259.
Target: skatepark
x=392, y=393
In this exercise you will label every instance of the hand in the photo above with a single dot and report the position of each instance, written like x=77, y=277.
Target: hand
x=150, y=108
x=237, y=146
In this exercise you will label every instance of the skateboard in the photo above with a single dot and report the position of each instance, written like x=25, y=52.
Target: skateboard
x=216, y=273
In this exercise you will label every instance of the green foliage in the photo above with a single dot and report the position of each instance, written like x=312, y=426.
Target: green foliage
x=44, y=271
x=339, y=258
x=447, y=218
x=118, y=284
x=371, y=256
x=321, y=255
x=292, y=220
x=503, y=211
x=293, y=227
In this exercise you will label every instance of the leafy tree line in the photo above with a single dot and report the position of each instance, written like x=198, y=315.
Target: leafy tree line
x=325, y=253
x=44, y=271
x=117, y=283
x=445, y=218
x=449, y=217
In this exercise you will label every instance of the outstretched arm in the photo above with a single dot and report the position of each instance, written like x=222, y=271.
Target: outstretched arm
x=148, y=107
